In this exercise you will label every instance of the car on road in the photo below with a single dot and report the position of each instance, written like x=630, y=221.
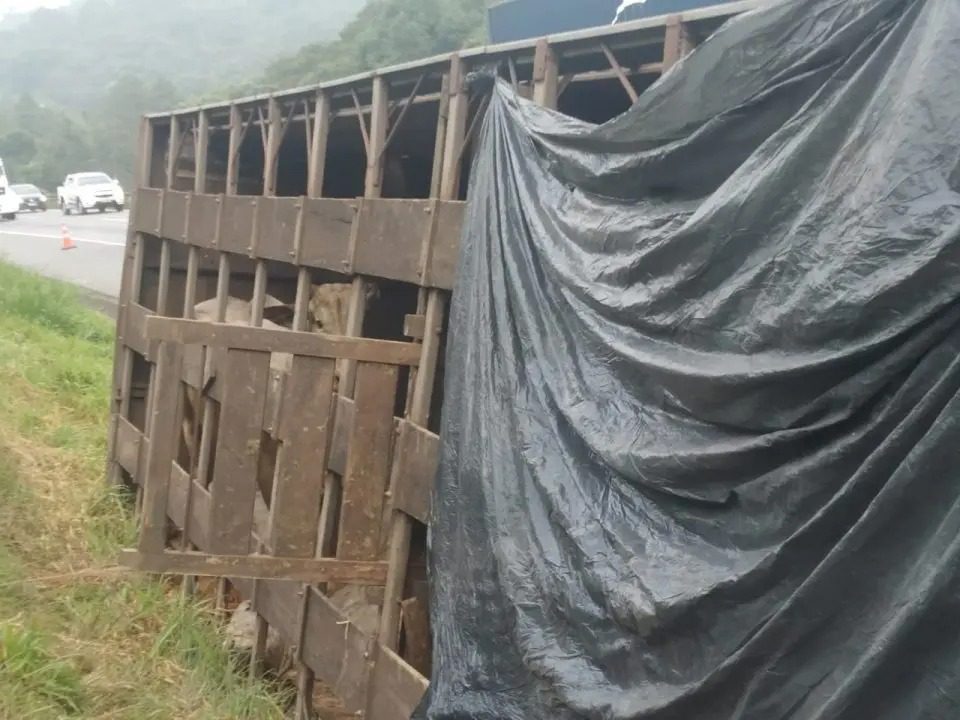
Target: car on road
x=31, y=197
x=9, y=202
x=87, y=191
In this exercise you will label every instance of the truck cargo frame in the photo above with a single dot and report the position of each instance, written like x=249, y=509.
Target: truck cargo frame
x=358, y=182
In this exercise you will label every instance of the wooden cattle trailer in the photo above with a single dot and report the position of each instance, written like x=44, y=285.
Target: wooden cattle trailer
x=358, y=182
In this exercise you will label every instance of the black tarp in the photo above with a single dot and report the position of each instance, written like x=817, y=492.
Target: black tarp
x=701, y=452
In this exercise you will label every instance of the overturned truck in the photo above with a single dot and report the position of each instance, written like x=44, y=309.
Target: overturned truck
x=281, y=332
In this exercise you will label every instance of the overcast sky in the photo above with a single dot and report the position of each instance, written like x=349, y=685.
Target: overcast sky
x=11, y=6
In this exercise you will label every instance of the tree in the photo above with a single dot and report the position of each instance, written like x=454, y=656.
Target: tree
x=17, y=147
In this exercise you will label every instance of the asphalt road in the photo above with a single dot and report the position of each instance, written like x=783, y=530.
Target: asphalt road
x=33, y=241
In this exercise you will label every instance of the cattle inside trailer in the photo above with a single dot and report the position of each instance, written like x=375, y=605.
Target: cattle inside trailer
x=298, y=465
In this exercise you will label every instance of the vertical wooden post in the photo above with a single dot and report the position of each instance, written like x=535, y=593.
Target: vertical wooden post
x=677, y=42
x=457, y=109
x=129, y=293
x=318, y=146
x=271, y=155
x=398, y=554
x=373, y=182
x=233, y=157
x=153, y=537
x=201, y=152
x=545, y=75
x=446, y=179
x=173, y=152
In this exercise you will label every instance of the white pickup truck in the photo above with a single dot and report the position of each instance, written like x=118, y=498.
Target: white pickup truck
x=9, y=202
x=83, y=192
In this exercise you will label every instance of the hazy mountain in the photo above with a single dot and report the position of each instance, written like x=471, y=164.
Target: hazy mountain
x=71, y=54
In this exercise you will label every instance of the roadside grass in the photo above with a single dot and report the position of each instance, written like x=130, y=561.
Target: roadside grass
x=78, y=638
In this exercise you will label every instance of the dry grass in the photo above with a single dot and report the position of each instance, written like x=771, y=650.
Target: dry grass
x=78, y=638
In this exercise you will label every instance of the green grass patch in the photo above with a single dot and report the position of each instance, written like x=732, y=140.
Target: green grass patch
x=78, y=639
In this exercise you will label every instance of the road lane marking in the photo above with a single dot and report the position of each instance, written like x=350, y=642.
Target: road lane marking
x=59, y=237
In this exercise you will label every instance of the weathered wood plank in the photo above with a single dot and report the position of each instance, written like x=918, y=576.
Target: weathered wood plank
x=128, y=446
x=237, y=224
x=277, y=226
x=145, y=217
x=135, y=333
x=201, y=152
x=416, y=633
x=445, y=246
x=337, y=651
x=389, y=236
x=395, y=688
x=163, y=448
x=417, y=457
x=545, y=75
x=303, y=431
x=263, y=567
x=327, y=228
x=188, y=332
x=198, y=526
x=413, y=326
x=202, y=227
x=368, y=463
x=234, y=486
x=318, y=146
x=175, y=213
x=677, y=42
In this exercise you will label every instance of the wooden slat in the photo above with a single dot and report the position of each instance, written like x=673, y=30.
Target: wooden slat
x=233, y=151
x=277, y=225
x=271, y=149
x=318, y=146
x=416, y=633
x=200, y=152
x=338, y=652
x=257, y=567
x=413, y=326
x=545, y=75
x=445, y=245
x=395, y=688
x=368, y=462
x=458, y=107
x=175, y=212
x=146, y=210
x=135, y=334
x=299, y=343
x=417, y=456
x=163, y=447
x=301, y=462
x=237, y=225
x=677, y=42
x=234, y=486
x=202, y=227
x=128, y=444
x=389, y=236
x=327, y=228
x=198, y=526
x=193, y=365
x=619, y=72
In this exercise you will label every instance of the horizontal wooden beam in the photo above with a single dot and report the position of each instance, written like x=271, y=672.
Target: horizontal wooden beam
x=241, y=337
x=260, y=567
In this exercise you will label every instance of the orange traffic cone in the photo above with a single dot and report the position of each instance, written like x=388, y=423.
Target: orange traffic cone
x=68, y=243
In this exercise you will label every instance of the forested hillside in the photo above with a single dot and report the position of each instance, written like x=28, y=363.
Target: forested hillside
x=385, y=32
x=77, y=79
x=70, y=55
